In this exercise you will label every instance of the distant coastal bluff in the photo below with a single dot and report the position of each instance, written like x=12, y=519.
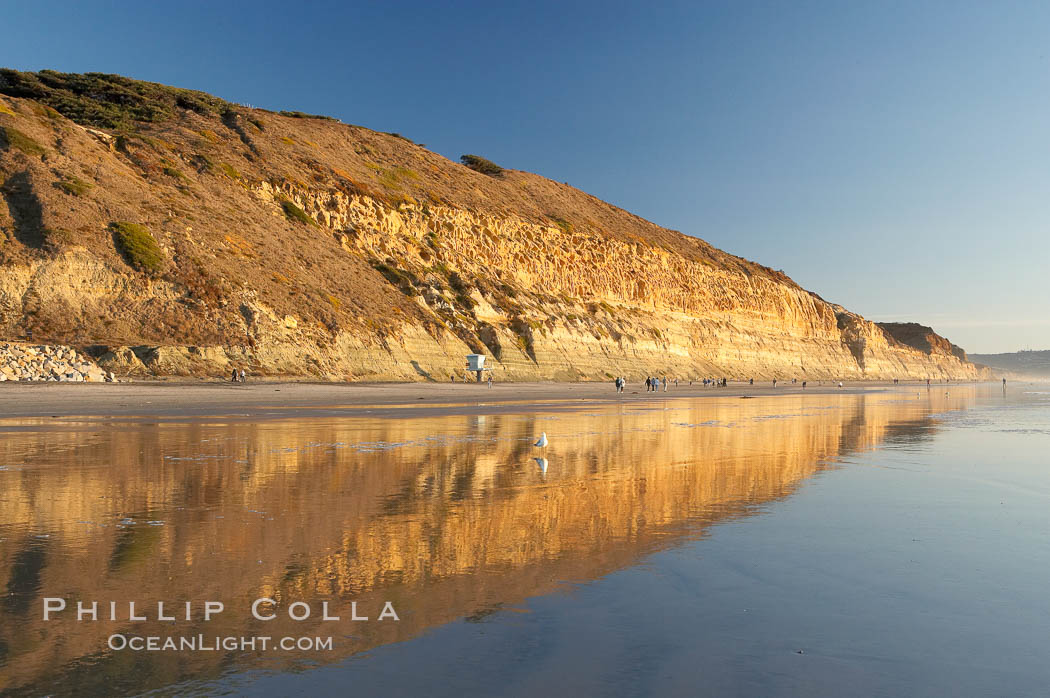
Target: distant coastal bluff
x=167, y=232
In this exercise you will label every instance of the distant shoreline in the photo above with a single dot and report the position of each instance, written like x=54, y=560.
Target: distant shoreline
x=263, y=399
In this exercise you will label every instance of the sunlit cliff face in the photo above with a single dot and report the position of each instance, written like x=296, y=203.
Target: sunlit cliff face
x=339, y=252
x=444, y=517
x=587, y=304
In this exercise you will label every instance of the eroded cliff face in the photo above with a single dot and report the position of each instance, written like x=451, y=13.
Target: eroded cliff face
x=309, y=247
x=922, y=338
x=588, y=306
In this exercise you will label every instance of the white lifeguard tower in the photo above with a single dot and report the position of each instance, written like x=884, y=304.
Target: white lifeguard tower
x=476, y=364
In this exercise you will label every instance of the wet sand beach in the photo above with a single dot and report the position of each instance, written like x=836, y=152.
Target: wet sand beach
x=785, y=543
x=262, y=399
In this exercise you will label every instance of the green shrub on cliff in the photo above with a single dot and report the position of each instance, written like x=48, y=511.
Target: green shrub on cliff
x=395, y=134
x=137, y=245
x=296, y=214
x=174, y=173
x=57, y=238
x=566, y=227
x=109, y=101
x=11, y=137
x=404, y=279
x=229, y=170
x=462, y=290
x=304, y=115
x=480, y=164
x=75, y=186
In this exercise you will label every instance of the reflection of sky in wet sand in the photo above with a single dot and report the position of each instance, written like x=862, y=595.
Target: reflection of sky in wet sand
x=446, y=516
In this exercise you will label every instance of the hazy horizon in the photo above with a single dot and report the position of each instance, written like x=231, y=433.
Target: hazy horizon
x=886, y=157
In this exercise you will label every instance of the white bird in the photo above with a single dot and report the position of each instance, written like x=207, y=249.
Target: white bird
x=542, y=443
x=542, y=462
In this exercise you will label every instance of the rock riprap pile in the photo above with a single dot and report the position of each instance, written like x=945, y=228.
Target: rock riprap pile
x=41, y=362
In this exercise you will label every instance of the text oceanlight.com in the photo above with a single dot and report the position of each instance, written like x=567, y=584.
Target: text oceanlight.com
x=202, y=643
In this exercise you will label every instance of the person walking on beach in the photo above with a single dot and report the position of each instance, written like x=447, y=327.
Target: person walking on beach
x=665, y=384
x=234, y=378
x=803, y=385
x=244, y=378
x=490, y=379
x=774, y=382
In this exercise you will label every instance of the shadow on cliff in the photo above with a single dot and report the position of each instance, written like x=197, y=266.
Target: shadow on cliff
x=419, y=369
x=25, y=209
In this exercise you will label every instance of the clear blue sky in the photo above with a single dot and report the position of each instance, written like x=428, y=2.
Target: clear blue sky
x=891, y=156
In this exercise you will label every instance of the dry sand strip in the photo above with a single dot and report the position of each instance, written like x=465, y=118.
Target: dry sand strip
x=266, y=399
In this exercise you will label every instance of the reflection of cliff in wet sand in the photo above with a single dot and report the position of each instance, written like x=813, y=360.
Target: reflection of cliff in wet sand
x=444, y=517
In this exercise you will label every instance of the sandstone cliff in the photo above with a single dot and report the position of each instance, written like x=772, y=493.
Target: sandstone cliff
x=169, y=232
